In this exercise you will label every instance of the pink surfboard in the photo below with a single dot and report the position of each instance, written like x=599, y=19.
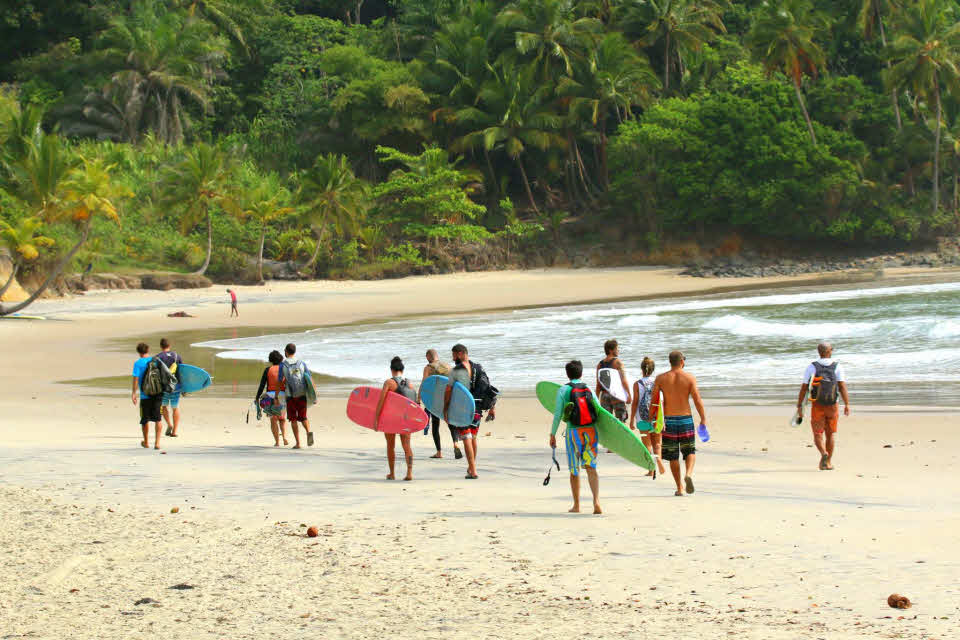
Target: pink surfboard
x=399, y=415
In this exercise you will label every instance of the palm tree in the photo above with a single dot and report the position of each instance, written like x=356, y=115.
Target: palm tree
x=514, y=112
x=680, y=27
x=88, y=192
x=783, y=37
x=159, y=60
x=264, y=202
x=24, y=243
x=37, y=167
x=550, y=32
x=331, y=193
x=615, y=79
x=926, y=60
x=871, y=19
x=195, y=184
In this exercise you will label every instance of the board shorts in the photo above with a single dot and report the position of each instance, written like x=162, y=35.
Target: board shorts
x=171, y=400
x=297, y=409
x=150, y=409
x=581, y=445
x=824, y=418
x=614, y=406
x=678, y=437
x=465, y=433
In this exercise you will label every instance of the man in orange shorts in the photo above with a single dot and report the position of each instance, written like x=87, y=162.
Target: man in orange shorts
x=825, y=380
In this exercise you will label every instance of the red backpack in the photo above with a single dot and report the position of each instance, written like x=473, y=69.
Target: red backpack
x=583, y=410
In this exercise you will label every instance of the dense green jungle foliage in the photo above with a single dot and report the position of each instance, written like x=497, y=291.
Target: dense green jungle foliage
x=374, y=137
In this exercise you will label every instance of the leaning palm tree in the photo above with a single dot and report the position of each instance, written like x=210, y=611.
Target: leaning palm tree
x=783, y=38
x=331, y=194
x=23, y=241
x=872, y=13
x=615, y=79
x=926, y=61
x=196, y=184
x=88, y=192
x=159, y=61
x=678, y=27
x=549, y=34
x=514, y=112
x=264, y=203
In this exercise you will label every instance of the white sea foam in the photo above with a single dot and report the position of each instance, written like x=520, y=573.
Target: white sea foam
x=945, y=329
x=744, y=326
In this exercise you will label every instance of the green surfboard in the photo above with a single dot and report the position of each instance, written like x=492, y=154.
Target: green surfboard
x=614, y=435
x=310, y=389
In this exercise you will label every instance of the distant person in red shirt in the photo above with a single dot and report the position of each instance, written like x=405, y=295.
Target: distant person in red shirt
x=233, y=303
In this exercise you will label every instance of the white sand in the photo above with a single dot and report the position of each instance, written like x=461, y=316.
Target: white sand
x=768, y=547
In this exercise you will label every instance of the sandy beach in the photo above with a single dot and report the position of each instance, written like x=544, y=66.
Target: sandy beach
x=767, y=547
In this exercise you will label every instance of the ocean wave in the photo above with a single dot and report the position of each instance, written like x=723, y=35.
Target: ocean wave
x=945, y=329
x=638, y=320
x=744, y=326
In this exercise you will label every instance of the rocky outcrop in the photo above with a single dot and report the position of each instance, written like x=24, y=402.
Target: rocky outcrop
x=78, y=284
x=753, y=267
x=168, y=281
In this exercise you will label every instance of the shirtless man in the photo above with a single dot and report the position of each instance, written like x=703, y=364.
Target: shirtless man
x=678, y=388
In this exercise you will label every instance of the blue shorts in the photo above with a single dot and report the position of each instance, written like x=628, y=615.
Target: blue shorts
x=171, y=400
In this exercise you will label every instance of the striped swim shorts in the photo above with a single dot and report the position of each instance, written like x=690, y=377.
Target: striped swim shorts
x=678, y=437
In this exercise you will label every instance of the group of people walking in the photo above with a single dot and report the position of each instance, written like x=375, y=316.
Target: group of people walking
x=656, y=406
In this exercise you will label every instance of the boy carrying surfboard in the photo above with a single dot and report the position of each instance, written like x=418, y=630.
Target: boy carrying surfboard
x=579, y=408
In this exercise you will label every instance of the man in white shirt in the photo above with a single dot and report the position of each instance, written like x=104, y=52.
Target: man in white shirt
x=827, y=380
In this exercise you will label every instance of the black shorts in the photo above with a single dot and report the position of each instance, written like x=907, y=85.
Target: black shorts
x=150, y=409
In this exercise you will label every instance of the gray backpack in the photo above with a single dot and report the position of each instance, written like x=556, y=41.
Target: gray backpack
x=825, y=388
x=404, y=389
x=293, y=375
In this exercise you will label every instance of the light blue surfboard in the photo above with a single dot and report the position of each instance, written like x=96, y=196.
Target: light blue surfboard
x=192, y=379
x=462, y=406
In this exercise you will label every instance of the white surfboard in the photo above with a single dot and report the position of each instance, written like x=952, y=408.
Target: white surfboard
x=609, y=380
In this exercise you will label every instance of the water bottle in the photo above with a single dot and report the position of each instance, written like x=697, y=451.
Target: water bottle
x=703, y=433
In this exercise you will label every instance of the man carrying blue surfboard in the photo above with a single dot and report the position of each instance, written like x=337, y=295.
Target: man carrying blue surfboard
x=580, y=409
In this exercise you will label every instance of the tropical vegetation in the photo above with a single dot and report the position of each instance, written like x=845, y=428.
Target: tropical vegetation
x=380, y=137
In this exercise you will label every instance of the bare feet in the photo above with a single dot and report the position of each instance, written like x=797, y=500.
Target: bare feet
x=277, y=444
x=390, y=476
x=651, y=474
x=144, y=444
x=437, y=455
x=574, y=509
x=597, y=510
x=689, y=483
x=285, y=443
x=156, y=446
x=408, y=477
x=296, y=446
x=662, y=469
x=678, y=493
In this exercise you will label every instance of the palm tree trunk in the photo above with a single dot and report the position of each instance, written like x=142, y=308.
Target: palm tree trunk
x=316, y=252
x=936, y=153
x=263, y=237
x=206, y=261
x=493, y=174
x=13, y=274
x=526, y=185
x=604, y=170
x=894, y=96
x=57, y=270
x=666, y=64
x=806, y=116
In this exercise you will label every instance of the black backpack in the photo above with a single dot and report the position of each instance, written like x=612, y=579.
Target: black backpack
x=825, y=388
x=405, y=390
x=582, y=409
x=484, y=393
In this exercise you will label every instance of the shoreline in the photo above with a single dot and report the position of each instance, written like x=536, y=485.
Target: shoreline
x=87, y=514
